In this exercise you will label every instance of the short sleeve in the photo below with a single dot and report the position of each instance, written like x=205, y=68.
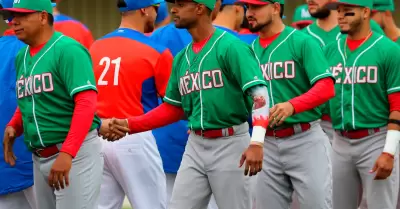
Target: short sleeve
x=75, y=68
x=392, y=62
x=172, y=94
x=242, y=62
x=315, y=63
x=162, y=71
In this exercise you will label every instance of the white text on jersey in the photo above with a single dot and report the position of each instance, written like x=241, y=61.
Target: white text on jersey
x=34, y=84
x=192, y=82
x=363, y=74
x=278, y=70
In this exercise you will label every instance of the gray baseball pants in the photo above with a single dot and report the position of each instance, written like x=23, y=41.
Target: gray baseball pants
x=84, y=178
x=300, y=163
x=212, y=166
x=352, y=160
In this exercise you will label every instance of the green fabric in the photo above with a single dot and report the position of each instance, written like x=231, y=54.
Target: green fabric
x=291, y=70
x=208, y=3
x=302, y=14
x=362, y=3
x=274, y=1
x=398, y=40
x=46, y=88
x=36, y=5
x=210, y=86
x=363, y=103
x=384, y=5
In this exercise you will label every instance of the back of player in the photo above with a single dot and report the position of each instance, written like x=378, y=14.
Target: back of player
x=72, y=28
x=131, y=72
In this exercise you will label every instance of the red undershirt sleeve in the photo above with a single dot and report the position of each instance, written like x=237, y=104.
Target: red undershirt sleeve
x=320, y=93
x=158, y=117
x=394, y=101
x=16, y=122
x=82, y=119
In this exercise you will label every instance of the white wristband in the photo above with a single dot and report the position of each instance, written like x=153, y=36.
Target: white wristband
x=258, y=134
x=392, y=142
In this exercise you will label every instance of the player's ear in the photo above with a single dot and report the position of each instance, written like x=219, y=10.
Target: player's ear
x=277, y=8
x=143, y=11
x=366, y=13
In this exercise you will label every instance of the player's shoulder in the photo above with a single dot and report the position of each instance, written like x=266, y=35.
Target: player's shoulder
x=298, y=38
x=385, y=44
x=133, y=36
x=62, y=18
x=226, y=40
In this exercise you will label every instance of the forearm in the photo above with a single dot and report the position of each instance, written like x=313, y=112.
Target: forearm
x=158, y=117
x=16, y=122
x=82, y=119
x=322, y=91
x=260, y=113
x=393, y=134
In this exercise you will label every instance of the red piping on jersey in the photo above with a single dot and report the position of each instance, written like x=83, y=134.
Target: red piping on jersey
x=354, y=44
x=394, y=101
x=320, y=93
x=158, y=117
x=198, y=46
x=16, y=122
x=34, y=50
x=265, y=42
x=82, y=119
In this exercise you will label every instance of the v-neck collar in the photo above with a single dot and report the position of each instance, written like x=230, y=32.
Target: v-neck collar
x=277, y=40
x=44, y=48
x=348, y=53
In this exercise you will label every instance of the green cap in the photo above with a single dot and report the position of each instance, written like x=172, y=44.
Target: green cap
x=30, y=6
x=383, y=5
x=261, y=2
x=361, y=3
x=302, y=15
x=208, y=3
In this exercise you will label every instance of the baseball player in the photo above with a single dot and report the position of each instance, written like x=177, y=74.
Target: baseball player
x=365, y=111
x=296, y=150
x=56, y=110
x=131, y=71
x=16, y=181
x=163, y=17
x=71, y=27
x=302, y=17
x=383, y=15
x=215, y=66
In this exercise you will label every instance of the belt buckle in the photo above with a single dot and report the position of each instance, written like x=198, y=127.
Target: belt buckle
x=274, y=132
x=37, y=152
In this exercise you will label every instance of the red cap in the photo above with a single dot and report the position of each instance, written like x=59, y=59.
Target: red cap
x=254, y=2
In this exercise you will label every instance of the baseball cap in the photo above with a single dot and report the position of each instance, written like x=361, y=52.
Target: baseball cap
x=208, y=3
x=302, y=15
x=383, y=5
x=131, y=5
x=6, y=3
x=162, y=12
x=228, y=2
x=361, y=3
x=261, y=2
x=30, y=6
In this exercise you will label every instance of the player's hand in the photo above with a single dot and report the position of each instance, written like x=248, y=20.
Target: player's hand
x=8, y=142
x=383, y=166
x=118, y=129
x=253, y=156
x=105, y=127
x=59, y=173
x=279, y=112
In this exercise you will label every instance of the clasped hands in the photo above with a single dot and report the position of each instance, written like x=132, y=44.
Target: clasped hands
x=114, y=129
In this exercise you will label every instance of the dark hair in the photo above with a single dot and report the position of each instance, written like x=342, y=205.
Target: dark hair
x=50, y=19
x=282, y=10
x=121, y=4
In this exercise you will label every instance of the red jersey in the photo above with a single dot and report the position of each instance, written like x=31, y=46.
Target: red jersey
x=132, y=72
x=74, y=29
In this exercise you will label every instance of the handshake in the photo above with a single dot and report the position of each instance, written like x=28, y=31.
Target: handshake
x=113, y=129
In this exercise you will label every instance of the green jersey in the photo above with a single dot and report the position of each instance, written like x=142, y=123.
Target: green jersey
x=291, y=69
x=364, y=78
x=210, y=86
x=46, y=85
x=398, y=40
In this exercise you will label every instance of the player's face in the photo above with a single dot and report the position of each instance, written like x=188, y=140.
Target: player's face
x=350, y=18
x=184, y=13
x=27, y=25
x=151, y=15
x=317, y=8
x=259, y=16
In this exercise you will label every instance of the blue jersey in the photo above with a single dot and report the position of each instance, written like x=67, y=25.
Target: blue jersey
x=171, y=139
x=19, y=177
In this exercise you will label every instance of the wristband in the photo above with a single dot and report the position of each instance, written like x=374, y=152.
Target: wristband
x=258, y=134
x=392, y=142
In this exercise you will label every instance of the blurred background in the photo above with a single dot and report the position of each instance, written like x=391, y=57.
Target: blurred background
x=101, y=16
